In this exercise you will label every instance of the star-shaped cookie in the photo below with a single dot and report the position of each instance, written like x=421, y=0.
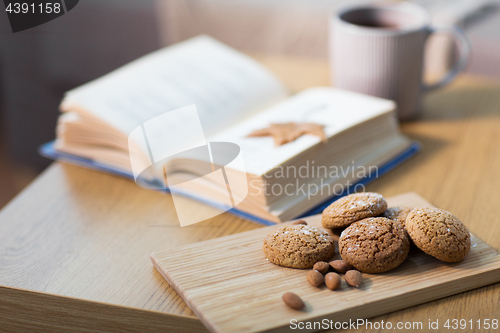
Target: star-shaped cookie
x=289, y=132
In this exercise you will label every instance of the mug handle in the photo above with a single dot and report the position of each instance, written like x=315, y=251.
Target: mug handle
x=464, y=48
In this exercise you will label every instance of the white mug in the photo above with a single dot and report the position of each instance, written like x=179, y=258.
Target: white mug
x=378, y=49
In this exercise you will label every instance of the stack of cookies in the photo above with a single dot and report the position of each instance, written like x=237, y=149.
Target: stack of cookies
x=377, y=239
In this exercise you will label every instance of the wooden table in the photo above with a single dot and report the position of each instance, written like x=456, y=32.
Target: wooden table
x=75, y=245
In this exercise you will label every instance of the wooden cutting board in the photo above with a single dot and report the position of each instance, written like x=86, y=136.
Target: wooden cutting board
x=231, y=286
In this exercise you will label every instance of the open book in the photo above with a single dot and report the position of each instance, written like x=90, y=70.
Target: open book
x=233, y=96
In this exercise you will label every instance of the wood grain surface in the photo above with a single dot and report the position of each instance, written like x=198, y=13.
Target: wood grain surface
x=86, y=235
x=26, y=311
x=232, y=287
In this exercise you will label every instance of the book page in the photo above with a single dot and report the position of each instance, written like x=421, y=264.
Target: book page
x=336, y=109
x=225, y=85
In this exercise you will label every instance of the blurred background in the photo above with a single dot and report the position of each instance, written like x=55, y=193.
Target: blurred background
x=38, y=65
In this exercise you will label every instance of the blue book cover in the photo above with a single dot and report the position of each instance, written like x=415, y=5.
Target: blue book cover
x=48, y=150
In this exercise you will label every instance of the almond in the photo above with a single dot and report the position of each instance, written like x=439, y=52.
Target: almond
x=332, y=281
x=353, y=278
x=340, y=266
x=293, y=301
x=300, y=222
x=322, y=267
x=315, y=278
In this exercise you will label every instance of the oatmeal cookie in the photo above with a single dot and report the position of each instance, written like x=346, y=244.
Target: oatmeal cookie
x=438, y=233
x=352, y=208
x=374, y=245
x=298, y=246
x=398, y=214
